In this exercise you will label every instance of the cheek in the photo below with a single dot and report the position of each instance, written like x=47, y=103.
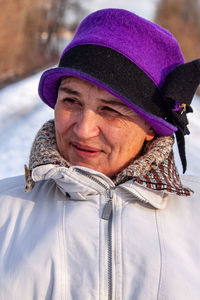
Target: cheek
x=127, y=138
x=117, y=134
x=62, y=119
x=112, y=131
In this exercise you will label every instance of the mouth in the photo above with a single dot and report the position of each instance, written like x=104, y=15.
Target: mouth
x=85, y=151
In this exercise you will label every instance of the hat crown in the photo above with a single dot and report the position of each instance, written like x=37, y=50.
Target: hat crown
x=152, y=48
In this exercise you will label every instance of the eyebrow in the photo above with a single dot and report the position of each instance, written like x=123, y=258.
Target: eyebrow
x=106, y=101
x=69, y=91
x=113, y=102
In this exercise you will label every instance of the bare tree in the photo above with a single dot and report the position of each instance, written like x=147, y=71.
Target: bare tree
x=182, y=18
x=29, y=34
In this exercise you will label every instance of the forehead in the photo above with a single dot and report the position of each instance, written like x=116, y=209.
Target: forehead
x=78, y=82
x=74, y=84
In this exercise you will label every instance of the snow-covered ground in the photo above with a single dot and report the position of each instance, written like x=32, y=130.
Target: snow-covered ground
x=22, y=113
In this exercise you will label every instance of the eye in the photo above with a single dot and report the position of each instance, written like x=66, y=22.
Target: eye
x=70, y=100
x=110, y=110
x=71, y=104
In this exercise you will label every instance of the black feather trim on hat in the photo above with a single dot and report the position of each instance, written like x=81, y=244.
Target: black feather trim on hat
x=178, y=91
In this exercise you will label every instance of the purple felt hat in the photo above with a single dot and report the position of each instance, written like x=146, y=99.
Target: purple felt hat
x=126, y=55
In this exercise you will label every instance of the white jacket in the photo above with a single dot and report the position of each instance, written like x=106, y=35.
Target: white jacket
x=62, y=240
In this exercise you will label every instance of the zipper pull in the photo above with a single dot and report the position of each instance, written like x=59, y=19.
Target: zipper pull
x=107, y=210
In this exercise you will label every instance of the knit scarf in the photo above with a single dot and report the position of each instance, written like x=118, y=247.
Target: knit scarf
x=154, y=168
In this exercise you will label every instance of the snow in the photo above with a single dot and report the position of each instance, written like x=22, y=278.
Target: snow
x=22, y=113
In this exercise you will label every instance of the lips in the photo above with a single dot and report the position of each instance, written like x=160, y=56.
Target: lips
x=85, y=148
x=85, y=151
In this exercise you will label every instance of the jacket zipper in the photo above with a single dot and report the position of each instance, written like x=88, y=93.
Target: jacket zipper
x=106, y=215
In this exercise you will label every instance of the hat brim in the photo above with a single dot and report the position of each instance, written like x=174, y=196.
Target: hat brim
x=50, y=82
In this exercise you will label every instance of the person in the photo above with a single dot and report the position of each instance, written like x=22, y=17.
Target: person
x=105, y=214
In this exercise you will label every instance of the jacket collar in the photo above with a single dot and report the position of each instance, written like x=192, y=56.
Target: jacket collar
x=153, y=169
x=80, y=182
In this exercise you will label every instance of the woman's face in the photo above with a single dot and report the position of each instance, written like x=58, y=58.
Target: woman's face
x=96, y=130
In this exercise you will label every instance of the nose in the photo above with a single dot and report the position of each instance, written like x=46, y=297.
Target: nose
x=87, y=126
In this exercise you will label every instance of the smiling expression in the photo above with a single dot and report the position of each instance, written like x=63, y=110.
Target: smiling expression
x=96, y=130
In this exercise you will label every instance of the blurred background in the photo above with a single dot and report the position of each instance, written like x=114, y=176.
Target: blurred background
x=33, y=35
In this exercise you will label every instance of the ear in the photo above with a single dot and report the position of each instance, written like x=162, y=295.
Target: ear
x=150, y=134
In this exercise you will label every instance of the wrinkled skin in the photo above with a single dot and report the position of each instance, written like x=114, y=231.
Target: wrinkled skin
x=96, y=130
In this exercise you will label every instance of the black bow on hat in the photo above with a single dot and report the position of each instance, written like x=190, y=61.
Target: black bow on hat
x=178, y=91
